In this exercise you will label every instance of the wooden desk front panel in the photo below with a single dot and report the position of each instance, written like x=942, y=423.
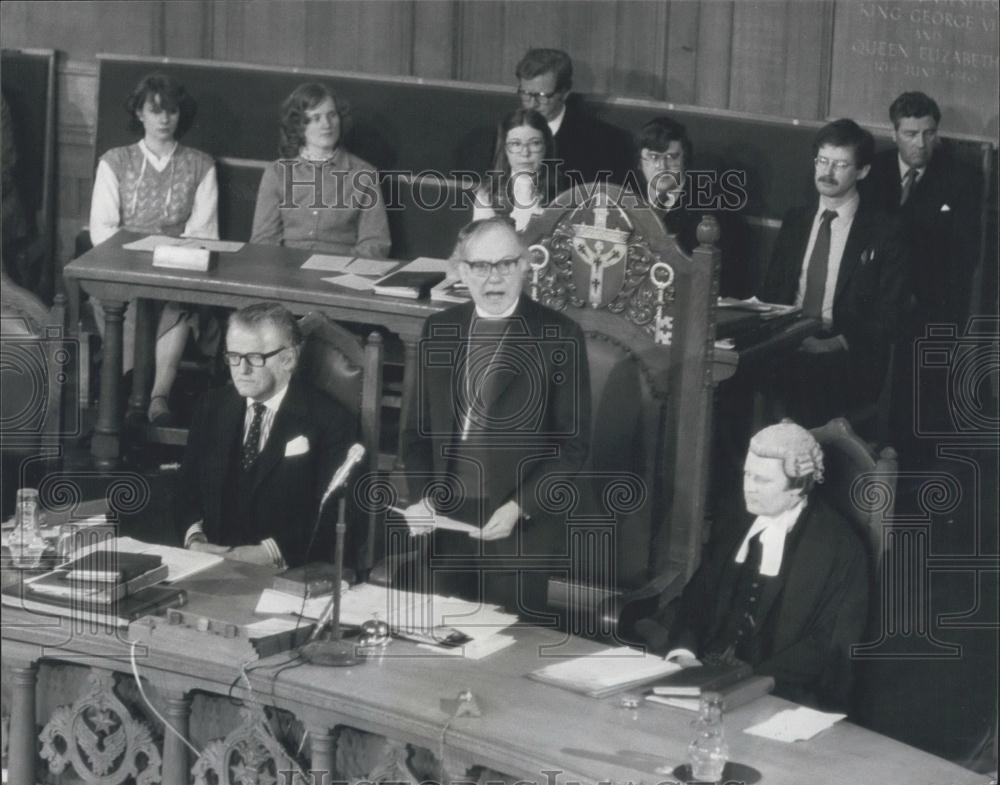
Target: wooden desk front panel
x=526, y=728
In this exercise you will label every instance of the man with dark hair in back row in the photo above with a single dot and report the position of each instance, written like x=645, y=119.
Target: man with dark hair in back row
x=844, y=262
x=586, y=146
x=935, y=198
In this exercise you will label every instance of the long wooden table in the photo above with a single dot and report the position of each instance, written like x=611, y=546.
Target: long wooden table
x=253, y=274
x=526, y=730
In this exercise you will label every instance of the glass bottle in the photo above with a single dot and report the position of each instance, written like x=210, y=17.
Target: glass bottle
x=708, y=750
x=26, y=542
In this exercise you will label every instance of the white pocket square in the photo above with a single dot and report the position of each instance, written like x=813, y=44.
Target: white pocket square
x=945, y=208
x=297, y=446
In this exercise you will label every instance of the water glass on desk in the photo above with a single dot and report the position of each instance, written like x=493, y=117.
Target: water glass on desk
x=26, y=543
x=708, y=750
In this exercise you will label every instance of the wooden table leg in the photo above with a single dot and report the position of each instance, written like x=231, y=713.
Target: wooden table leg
x=410, y=380
x=106, y=444
x=176, y=764
x=22, y=754
x=323, y=755
x=145, y=352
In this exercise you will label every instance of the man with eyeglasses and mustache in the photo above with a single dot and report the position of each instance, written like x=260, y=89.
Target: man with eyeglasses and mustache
x=503, y=410
x=586, y=146
x=261, y=451
x=844, y=262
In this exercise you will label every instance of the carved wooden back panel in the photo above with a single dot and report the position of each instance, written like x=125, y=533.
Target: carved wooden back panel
x=647, y=310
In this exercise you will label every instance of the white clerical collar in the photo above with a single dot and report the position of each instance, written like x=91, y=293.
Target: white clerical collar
x=555, y=125
x=481, y=314
x=272, y=403
x=845, y=209
x=905, y=167
x=773, y=531
x=158, y=162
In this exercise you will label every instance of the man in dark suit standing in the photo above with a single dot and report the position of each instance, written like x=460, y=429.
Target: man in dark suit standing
x=844, y=263
x=936, y=200
x=785, y=588
x=261, y=451
x=503, y=410
x=587, y=147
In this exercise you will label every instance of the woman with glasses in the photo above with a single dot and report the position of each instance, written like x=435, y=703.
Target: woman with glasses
x=665, y=155
x=521, y=180
x=341, y=210
x=158, y=186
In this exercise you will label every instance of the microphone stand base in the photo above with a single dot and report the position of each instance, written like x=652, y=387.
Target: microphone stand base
x=336, y=654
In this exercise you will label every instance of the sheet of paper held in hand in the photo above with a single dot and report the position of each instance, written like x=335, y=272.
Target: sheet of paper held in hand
x=149, y=243
x=180, y=562
x=436, y=521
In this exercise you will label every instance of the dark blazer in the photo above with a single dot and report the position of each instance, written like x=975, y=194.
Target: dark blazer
x=872, y=289
x=588, y=145
x=284, y=490
x=736, y=278
x=811, y=612
x=537, y=420
x=940, y=220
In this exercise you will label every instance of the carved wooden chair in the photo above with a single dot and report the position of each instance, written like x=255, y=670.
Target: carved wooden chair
x=647, y=311
x=350, y=371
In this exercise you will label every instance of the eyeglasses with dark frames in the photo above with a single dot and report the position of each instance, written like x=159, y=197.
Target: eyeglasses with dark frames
x=254, y=359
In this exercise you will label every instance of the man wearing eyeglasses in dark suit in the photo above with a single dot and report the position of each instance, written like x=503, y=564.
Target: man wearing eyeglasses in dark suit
x=585, y=145
x=503, y=410
x=261, y=451
x=844, y=263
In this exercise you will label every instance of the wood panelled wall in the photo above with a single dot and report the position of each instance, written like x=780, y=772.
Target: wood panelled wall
x=771, y=56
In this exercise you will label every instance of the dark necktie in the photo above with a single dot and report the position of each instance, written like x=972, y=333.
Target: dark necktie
x=251, y=447
x=908, y=180
x=819, y=261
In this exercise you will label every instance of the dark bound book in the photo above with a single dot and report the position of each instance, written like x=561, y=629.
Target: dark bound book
x=310, y=580
x=110, y=566
x=58, y=584
x=692, y=682
x=114, y=614
x=733, y=696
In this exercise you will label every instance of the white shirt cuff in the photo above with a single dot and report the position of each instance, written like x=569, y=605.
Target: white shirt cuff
x=275, y=551
x=194, y=534
x=675, y=653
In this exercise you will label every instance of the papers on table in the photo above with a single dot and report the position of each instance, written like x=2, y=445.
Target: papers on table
x=370, y=267
x=476, y=649
x=605, y=671
x=328, y=263
x=181, y=563
x=272, y=626
x=152, y=241
x=794, y=724
x=403, y=611
x=351, y=281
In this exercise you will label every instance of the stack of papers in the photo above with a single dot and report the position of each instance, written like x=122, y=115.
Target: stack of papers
x=766, y=310
x=404, y=611
x=606, y=672
x=794, y=724
x=352, y=269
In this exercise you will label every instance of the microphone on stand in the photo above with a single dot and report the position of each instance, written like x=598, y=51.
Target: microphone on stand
x=334, y=651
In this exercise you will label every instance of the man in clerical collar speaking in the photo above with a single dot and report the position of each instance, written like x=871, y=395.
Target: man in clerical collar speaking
x=787, y=590
x=502, y=417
